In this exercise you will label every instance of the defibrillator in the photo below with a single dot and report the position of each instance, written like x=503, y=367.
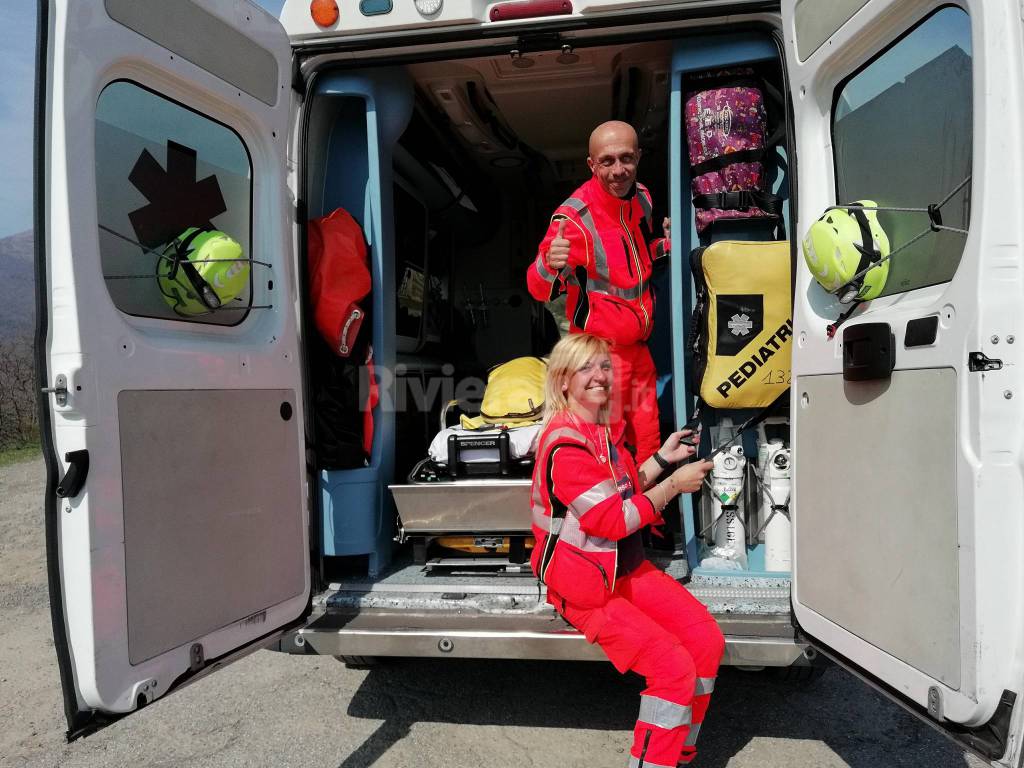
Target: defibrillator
x=741, y=335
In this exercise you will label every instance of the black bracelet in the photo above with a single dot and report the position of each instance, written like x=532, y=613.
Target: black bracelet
x=661, y=461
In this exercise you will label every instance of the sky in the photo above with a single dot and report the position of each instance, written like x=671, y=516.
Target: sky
x=17, y=87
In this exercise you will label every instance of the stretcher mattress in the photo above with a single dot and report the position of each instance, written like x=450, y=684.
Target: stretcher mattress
x=522, y=441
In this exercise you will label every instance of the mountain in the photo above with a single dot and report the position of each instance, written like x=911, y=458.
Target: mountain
x=17, y=281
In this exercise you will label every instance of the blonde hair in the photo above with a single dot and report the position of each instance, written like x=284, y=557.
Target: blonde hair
x=569, y=355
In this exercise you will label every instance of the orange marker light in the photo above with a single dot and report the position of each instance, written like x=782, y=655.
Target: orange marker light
x=324, y=12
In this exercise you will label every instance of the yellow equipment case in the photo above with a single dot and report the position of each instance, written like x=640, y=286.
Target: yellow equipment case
x=742, y=329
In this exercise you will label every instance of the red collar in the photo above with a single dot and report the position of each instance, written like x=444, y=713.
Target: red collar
x=616, y=430
x=605, y=199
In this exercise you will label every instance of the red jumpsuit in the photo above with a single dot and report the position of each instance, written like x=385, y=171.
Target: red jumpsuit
x=611, y=257
x=586, y=522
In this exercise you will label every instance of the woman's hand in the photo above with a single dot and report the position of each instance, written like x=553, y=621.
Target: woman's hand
x=674, y=450
x=688, y=478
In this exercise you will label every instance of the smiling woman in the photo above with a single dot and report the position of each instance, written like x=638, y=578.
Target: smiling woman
x=590, y=504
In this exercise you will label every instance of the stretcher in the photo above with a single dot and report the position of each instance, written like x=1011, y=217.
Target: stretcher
x=471, y=496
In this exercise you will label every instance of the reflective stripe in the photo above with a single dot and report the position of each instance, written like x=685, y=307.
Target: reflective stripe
x=544, y=272
x=662, y=713
x=691, y=737
x=596, y=285
x=630, y=515
x=645, y=204
x=589, y=499
x=541, y=518
x=575, y=536
x=634, y=762
x=563, y=432
x=704, y=686
x=556, y=526
x=600, y=257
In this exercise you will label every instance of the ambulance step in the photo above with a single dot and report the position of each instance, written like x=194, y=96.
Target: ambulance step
x=541, y=634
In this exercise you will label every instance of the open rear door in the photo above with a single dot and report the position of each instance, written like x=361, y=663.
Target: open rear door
x=908, y=515
x=175, y=509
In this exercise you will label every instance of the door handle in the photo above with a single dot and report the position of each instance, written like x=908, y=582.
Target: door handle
x=869, y=352
x=78, y=469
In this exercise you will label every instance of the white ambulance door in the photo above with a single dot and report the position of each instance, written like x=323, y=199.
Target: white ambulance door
x=176, y=386
x=907, y=509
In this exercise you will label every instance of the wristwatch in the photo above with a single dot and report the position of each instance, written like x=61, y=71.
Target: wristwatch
x=661, y=461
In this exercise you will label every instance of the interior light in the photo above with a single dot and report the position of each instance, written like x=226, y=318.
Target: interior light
x=521, y=62
x=324, y=12
x=567, y=56
x=428, y=7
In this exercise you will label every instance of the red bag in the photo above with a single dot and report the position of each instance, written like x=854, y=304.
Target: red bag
x=339, y=278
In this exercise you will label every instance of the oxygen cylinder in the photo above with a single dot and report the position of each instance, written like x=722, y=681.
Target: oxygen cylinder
x=727, y=478
x=762, y=460
x=777, y=541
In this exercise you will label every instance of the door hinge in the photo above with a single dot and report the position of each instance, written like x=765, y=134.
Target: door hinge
x=196, y=657
x=59, y=390
x=978, y=361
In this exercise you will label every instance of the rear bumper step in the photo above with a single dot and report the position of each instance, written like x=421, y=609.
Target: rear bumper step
x=754, y=641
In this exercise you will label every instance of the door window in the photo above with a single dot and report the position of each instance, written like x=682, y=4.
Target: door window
x=902, y=132
x=174, y=203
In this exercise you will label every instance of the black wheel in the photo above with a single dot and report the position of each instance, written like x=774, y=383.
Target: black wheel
x=800, y=675
x=359, y=662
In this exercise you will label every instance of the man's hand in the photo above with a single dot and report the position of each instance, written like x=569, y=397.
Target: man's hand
x=666, y=226
x=558, y=252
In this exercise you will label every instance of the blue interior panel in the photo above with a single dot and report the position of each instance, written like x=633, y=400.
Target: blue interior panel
x=698, y=55
x=372, y=108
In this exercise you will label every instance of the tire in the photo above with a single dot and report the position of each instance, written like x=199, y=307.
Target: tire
x=799, y=675
x=359, y=662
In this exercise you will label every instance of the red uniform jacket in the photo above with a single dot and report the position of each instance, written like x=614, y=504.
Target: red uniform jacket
x=611, y=256
x=575, y=495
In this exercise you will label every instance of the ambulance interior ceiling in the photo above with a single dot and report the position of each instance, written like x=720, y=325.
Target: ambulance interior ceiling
x=503, y=110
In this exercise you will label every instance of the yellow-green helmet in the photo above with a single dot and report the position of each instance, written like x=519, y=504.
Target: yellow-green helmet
x=843, y=243
x=201, y=271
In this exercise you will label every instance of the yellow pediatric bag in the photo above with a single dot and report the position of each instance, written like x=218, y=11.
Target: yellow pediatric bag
x=514, y=395
x=742, y=330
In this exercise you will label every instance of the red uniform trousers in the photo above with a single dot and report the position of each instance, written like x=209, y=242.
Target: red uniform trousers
x=634, y=397
x=653, y=626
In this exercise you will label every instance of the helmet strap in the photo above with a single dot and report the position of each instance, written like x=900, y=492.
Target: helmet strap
x=203, y=289
x=868, y=253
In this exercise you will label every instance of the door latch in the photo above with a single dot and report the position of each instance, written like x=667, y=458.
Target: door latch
x=978, y=361
x=59, y=390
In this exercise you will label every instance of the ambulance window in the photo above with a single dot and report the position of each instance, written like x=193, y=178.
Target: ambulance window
x=174, y=203
x=902, y=132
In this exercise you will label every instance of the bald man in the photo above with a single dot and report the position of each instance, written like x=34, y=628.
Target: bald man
x=600, y=251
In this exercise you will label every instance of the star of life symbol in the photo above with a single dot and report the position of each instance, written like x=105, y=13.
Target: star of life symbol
x=740, y=325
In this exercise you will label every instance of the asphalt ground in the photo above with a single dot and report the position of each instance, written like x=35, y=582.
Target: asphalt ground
x=271, y=709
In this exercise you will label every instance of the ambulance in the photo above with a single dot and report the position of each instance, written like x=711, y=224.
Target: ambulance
x=191, y=513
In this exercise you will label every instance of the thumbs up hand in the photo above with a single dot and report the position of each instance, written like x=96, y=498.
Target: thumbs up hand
x=558, y=252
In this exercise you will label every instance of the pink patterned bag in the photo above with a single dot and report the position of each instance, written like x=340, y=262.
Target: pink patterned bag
x=726, y=132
